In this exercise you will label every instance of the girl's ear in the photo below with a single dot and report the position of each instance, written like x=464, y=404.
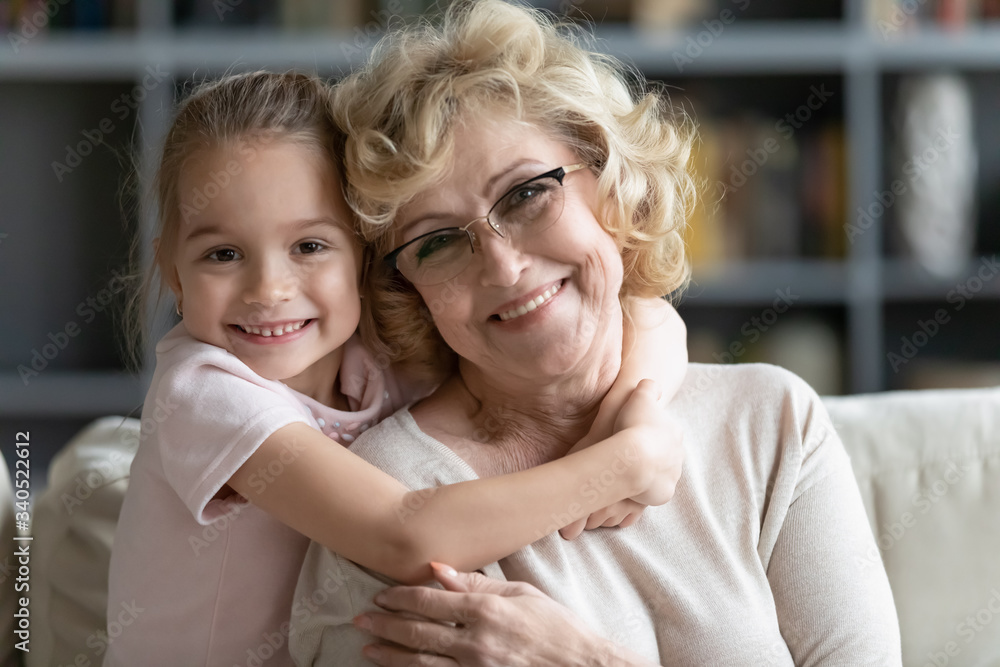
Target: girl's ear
x=168, y=271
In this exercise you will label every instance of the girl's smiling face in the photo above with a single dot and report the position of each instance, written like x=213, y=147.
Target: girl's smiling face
x=267, y=265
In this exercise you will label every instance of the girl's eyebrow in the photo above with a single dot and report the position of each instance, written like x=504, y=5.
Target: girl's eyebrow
x=205, y=230
x=212, y=229
x=324, y=221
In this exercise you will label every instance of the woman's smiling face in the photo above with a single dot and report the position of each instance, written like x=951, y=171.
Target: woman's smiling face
x=571, y=272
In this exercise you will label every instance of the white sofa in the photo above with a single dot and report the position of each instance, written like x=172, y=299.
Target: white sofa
x=927, y=463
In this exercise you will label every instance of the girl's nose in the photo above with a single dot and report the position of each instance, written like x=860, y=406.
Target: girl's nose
x=269, y=284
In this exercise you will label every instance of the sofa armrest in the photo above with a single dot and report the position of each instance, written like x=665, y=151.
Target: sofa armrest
x=73, y=525
x=9, y=656
x=928, y=465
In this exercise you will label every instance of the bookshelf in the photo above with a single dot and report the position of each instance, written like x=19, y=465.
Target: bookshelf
x=63, y=238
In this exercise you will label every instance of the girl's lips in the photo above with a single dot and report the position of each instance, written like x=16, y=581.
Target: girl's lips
x=269, y=335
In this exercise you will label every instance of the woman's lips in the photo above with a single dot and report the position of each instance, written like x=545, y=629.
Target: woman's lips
x=530, y=304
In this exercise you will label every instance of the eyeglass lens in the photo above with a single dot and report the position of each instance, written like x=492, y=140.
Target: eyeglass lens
x=526, y=210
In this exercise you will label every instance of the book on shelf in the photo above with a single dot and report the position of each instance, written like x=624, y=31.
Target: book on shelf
x=948, y=374
x=31, y=17
x=898, y=17
x=766, y=191
x=807, y=345
x=28, y=18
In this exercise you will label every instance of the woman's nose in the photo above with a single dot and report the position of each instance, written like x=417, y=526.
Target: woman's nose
x=502, y=262
x=268, y=284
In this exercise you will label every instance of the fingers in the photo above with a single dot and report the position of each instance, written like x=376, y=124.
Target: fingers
x=621, y=514
x=573, y=530
x=389, y=656
x=412, y=634
x=456, y=605
x=630, y=519
x=426, y=602
x=651, y=388
x=602, y=518
x=449, y=578
x=470, y=582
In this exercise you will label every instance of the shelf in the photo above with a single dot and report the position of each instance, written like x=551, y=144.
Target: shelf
x=904, y=280
x=772, y=61
x=65, y=394
x=90, y=56
x=757, y=282
x=773, y=48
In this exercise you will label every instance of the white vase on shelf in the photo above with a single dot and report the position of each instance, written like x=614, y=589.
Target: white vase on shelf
x=936, y=168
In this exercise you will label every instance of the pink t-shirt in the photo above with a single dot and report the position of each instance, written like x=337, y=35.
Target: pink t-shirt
x=200, y=581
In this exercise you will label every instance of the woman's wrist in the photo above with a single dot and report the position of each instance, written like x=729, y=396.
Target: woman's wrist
x=606, y=652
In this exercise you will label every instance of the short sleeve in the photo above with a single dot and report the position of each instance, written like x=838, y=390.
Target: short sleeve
x=209, y=414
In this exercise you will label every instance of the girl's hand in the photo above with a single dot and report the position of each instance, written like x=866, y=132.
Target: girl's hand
x=657, y=446
x=622, y=514
x=657, y=442
x=655, y=346
x=481, y=622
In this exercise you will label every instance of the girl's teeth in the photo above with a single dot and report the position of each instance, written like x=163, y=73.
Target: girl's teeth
x=277, y=331
x=531, y=305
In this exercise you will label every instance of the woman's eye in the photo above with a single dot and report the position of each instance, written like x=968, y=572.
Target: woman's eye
x=527, y=200
x=434, y=244
x=524, y=194
x=224, y=255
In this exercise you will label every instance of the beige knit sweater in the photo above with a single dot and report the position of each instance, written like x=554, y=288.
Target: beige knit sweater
x=760, y=558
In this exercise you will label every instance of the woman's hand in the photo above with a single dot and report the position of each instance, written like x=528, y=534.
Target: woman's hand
x=482, y=622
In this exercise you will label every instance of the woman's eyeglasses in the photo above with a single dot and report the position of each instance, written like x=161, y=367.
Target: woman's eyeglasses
x=526, y=209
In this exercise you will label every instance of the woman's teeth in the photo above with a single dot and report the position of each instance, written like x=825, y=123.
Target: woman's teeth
x=276, y=331
x=531, y=305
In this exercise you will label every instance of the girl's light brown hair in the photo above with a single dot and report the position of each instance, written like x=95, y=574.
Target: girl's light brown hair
x=250, y=108
x=488, y=56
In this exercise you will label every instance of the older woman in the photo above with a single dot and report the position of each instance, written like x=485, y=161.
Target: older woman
x=521, y=196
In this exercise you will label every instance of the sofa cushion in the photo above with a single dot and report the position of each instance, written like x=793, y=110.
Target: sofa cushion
x=9, y=656
x=74, y=526
x=928, y=465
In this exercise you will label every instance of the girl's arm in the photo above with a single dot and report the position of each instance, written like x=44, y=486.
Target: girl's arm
x=655, y=347
x=351, y=507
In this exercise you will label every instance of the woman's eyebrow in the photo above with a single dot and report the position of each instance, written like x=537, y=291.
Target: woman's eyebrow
x=517, y=164
x=490, y=187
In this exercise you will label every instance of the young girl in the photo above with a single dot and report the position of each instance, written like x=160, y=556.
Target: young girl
x=258, y=247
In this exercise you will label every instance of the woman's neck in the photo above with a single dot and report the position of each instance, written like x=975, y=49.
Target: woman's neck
x=531, y=422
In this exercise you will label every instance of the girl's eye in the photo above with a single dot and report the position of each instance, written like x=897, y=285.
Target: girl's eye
x=224, y=255
x=310, y=247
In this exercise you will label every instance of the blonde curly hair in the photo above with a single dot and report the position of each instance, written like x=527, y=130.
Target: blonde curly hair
x=399, y=112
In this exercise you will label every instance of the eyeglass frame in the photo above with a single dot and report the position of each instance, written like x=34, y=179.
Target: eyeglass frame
x=559, y=173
